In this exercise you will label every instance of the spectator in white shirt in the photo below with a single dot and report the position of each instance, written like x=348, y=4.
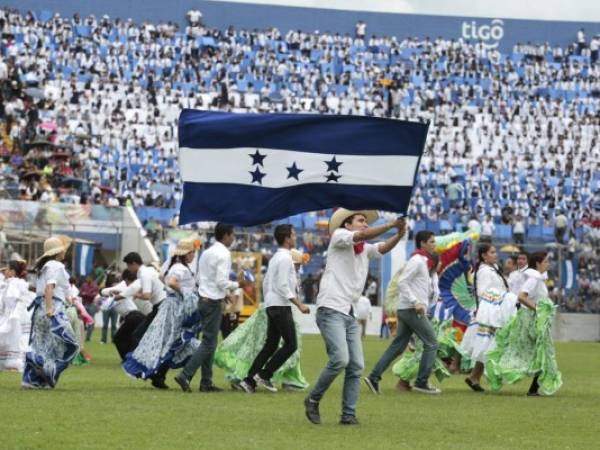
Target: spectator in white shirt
x=342, y=284
x=515, y=279
x=363, y=313
x=487, y=229
x=214, y=286
x=415, y=291
x=280, y=289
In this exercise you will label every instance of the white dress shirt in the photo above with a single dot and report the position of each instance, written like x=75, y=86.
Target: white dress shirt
x=415, y=285
x=150, y=282
x=280, y=284
x=125, y=305
x=534, y=285
x=213, y=273
x=54, y=273
x=516, y=280
x=345, y=273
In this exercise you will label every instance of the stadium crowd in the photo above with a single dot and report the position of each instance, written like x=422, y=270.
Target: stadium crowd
x=514, y=139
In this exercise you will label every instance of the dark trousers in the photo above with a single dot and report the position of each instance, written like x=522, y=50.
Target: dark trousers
x=280, y=325
x=91, y=309
x=229, y=322
x=211, y=313
x=123, y=338
x=143, y=327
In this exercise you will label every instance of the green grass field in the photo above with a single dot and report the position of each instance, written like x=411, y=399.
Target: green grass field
x=99, y=407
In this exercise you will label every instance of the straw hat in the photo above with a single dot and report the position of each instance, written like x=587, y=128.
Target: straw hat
x=184, y=246
x=298, y=257
x=55, y=245
x=341, y=214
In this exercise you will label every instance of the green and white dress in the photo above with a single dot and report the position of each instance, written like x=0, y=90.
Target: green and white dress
x=524, y=347
x=236, y=354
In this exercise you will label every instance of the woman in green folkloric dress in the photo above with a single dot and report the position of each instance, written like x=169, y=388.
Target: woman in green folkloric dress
x=524, y=347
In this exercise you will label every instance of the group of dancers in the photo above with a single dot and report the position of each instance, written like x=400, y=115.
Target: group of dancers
x=508, y=338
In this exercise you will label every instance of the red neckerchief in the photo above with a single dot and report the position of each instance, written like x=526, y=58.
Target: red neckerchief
x=422, y=252
x=358, y=248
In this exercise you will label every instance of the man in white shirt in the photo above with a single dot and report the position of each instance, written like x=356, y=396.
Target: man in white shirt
x=363, y=313
x=516, y=278
x=152, y=291
x=214, y=287
x=415, y=290
x=341, y=286
x=280, y=289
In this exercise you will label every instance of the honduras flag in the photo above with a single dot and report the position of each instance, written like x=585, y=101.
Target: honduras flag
x=249, y=169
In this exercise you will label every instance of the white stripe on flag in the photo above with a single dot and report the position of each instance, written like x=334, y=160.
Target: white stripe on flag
x=569, y=274
x=233, y=166
x=83, y=258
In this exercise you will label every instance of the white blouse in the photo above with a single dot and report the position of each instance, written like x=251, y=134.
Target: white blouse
x=488, y=278
x=53, y=272
x=184, y=276
x=534, y=285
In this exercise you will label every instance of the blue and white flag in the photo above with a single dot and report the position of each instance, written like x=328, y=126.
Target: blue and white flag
x=569, y=274
x=249, y=169
x=84, y=259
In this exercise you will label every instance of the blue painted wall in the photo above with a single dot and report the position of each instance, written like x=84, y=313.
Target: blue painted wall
x=223, y=14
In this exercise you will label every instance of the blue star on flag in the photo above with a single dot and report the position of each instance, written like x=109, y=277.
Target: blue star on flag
x=332, y=177
x=333, y=165
x=257, y=176
x=294, y=171
x=257, y=158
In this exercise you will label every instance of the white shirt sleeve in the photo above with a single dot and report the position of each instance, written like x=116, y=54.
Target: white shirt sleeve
x=342, y=238
x=119, y=287
x=373, y=251
x=222, y=275
x=484, y=280
x=529, y=285
x=285, y=281
x=146, y=281
x=132, y=289
x=53, y=274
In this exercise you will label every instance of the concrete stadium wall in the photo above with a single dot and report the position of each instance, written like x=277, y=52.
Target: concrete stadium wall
x=494, y=31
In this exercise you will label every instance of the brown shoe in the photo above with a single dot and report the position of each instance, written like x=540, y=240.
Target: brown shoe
x=403, y=386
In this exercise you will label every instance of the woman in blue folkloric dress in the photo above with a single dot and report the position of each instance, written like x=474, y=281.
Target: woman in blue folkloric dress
x=171, y=338
x=53, y=344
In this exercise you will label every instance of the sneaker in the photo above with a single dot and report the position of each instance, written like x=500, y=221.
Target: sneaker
x=426, y=389
x=247, y=387
x=349, y=420
x=264, y=383
x=183, y=382
x=32, y=387
x=159, y=384
x=533, y=394
x=210, y=388
x=311, y=409
x=372, y=385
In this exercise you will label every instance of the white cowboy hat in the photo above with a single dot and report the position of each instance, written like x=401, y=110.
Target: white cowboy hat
x=341, y=214
x=55, y=245
x=184, y=246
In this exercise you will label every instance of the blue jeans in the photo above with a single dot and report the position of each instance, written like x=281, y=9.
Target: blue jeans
x=408, y=323
x=211, y=314
x=341, y=334
x=110, y=315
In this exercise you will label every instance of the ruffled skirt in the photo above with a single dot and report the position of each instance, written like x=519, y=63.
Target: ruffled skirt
x=170, y=339
x=236, y=354
x=53, y=345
